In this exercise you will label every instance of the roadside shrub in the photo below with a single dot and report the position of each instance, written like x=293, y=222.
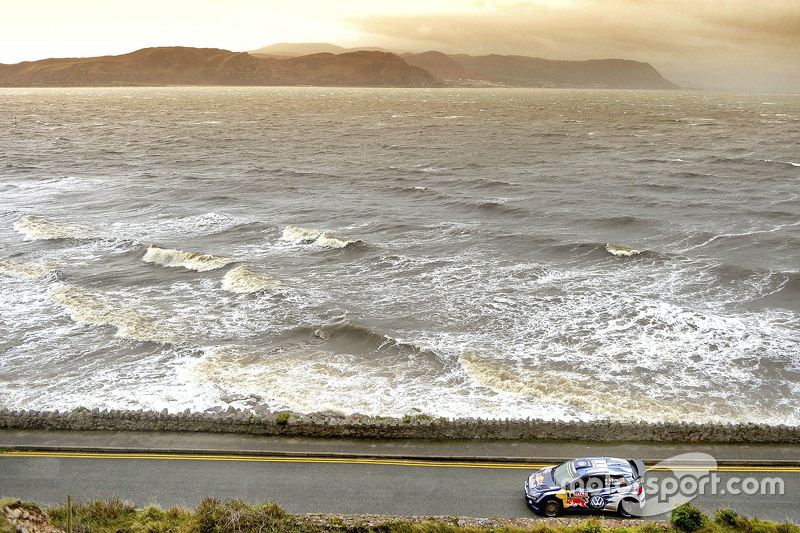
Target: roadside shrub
x=687, y=518
x=98, y=516
x=543, y=528
x=153, y=519
x=590, y=525
x=235, y=516
x=726, y=517
x=433, y=527
x=109, y=510
x=650, y=528
x=207, y=515
x=755, y=525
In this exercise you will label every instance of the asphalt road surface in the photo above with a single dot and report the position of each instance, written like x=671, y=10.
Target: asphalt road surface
x=345, y=486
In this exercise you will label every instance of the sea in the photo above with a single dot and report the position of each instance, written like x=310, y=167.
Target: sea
x=495, y=253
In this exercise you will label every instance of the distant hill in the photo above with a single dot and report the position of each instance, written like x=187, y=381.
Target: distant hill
x=355, y=69
x=328, y=65
x=285, y=50
x=149, y=66
x=522, y=71
x=443, y=66
x=211, y=66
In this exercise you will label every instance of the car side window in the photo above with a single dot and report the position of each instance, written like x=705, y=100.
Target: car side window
x=578, y=484
x=594, y=483
x=618, y=481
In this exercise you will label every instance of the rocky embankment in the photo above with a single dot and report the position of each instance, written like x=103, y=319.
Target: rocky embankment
x=331, y=425
x=23, y=518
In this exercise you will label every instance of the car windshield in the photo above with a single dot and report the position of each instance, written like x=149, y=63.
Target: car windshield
x=561, y=474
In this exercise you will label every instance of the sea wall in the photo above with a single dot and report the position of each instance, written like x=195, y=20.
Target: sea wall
x=331, y=425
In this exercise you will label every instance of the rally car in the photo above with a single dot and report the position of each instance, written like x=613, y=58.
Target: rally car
x=588, y=483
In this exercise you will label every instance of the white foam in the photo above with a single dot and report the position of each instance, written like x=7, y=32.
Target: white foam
x=42, y=229
x=791, y=163
x=245, y=280
x=24, y=270
x=601, y=398
x=774, y=229
x=192, y=260
x=94, y=308
x=208, y=223
x=346, y=383
x=300, y=235
x=329, y=241
x=621, y=251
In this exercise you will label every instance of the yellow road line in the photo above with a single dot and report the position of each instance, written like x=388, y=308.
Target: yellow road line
x=275, y=459
x=730, y=469
x=361, y=461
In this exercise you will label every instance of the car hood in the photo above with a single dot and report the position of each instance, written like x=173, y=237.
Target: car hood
x=542, y=479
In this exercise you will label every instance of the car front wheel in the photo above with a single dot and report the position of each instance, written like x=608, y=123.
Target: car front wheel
x=551, y=507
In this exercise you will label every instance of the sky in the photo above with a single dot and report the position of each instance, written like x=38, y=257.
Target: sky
x=751, y=45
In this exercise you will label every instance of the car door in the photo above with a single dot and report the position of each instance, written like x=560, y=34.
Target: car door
x=597, y=491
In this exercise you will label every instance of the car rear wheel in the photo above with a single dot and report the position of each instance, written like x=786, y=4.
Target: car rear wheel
x=629, y=508
x=551, y=507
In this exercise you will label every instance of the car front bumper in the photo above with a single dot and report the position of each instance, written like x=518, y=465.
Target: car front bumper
x=534, y=499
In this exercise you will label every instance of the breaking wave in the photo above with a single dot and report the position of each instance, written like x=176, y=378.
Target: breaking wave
x=299, y=235
x=192, y=260
x=621, y=251
x=283, y=377
x=42, y=229
x=601, y=399
x=351, y=369
x=24, y=270
x=354, y=339
x=245, y=280
x=93, y=308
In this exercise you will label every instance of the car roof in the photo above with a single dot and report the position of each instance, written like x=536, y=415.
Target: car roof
x=585, y=466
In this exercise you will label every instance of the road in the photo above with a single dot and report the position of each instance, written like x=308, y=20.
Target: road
x=331, y=485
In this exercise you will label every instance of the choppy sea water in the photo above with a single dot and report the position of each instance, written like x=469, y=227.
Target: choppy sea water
x=497, y=253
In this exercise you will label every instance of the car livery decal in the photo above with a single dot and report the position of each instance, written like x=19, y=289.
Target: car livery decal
x=575, y=502
x=597, y=502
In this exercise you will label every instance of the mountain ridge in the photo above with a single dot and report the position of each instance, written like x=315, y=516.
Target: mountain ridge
x=328, y=65
x=160, y=66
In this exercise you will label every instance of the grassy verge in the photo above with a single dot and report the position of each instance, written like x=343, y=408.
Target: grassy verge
x=213, y=516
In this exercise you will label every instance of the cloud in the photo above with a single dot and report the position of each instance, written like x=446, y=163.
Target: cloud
x=716, y=43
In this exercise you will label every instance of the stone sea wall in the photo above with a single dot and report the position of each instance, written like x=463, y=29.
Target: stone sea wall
x=330, y=425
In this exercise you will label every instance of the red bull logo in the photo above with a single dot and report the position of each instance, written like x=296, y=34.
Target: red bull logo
x=575, y=502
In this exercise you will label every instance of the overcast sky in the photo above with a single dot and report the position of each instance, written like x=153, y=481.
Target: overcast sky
x=715, y=44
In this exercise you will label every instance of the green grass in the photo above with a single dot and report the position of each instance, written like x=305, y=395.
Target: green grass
x=6, y=526
x=234, y=516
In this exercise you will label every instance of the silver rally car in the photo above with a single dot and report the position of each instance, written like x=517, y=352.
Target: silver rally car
x=588, y=483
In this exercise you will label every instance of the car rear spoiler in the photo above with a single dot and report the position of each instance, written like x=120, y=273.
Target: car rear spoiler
x=638, y=467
